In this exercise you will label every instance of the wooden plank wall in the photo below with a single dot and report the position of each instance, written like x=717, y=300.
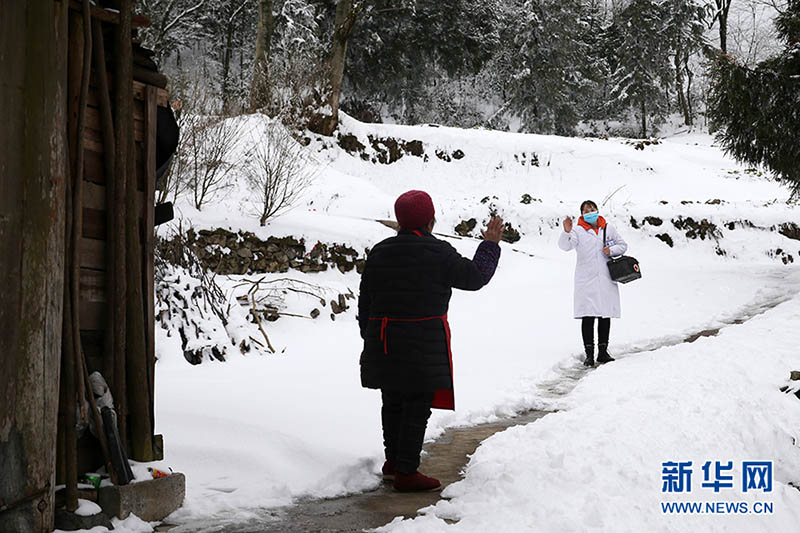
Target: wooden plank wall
x=93, y=269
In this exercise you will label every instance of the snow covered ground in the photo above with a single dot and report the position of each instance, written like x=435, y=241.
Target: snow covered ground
x=263, y=430
x=597, y=465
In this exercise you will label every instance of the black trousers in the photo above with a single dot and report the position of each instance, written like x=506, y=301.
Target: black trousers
x=405, y=417
x=587, y=329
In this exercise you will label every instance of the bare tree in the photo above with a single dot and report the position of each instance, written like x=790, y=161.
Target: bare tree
x=751, y=31
x=279, y=171
x=191, y=97
x=207, y=146
x=168, y=16
x=717, y=11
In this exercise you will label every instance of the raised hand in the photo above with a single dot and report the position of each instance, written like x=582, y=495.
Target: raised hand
x=568, y=224
x=494, y=230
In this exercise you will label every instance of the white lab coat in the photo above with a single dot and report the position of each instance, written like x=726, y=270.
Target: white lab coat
x=595, y=293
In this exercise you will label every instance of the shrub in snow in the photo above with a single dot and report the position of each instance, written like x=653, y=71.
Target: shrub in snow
x=206, y=150
x=207, y=325
x=190, y=304
x=279, y=170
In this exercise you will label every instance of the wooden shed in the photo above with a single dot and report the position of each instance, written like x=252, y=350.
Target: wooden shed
x=81, y=102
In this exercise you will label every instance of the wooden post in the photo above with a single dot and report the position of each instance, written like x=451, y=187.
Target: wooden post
x=123, y=65
x=79, y=56
x=68, y=439
x=150, y=126
x=83, y=66
x=33, y=167
x=136, y=385
x=109, y=147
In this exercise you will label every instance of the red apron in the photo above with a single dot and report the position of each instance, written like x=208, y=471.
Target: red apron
x=443, y=398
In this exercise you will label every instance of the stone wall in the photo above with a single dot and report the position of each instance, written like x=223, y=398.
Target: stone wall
x=225, y=252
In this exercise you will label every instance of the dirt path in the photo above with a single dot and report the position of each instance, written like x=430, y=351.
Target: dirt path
x=445, y=459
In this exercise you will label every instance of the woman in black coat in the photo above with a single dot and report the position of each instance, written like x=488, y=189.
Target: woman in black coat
x=403, y=301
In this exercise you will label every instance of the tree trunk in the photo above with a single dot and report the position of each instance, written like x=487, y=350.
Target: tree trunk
x=689, y=77
x=259, y=89
x=643, y=110
x=226, y=62
x=346, y=13
x=241, y=69
x=33, y=163
x=723, y=7
x=226, y=67
x=687, y=117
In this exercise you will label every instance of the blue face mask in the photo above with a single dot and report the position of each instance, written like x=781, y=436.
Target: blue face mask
x=591, y=217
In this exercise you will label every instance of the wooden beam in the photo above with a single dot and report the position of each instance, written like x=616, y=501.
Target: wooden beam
x=111, y=16
x=93, y=254
x=151, y=102
x=105, y=120
x=94, y=125
x=123, y=173
x=94, y=223
x=33, y=163
x=93, y=317
x=92, y=286
x=137, y=390
x=79, y=68
x=149, y=77
x=138, y=94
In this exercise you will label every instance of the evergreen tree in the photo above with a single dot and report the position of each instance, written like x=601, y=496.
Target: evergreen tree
x=402, y=52
x=758, y=110
x=556, y=64
x=638, y=44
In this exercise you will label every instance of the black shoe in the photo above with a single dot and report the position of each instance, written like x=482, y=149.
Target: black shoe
x=589, y=361
x=602, y=356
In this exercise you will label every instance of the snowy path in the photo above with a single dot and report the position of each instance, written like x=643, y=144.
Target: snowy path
x=447, y=456
x=571, y=371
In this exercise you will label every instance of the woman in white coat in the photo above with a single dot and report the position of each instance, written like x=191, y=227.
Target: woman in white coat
x=596, y=296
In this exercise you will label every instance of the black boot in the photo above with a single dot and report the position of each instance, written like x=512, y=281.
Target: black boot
x=602, y=354
x=589, y=361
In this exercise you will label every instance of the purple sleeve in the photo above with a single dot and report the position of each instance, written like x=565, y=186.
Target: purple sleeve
x=486, y=258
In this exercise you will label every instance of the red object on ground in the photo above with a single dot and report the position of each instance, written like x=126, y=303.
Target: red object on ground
x=388, y=471
x=158, y=473
x=416, y=482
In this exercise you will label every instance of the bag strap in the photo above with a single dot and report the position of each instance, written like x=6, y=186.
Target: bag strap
x=611, y=259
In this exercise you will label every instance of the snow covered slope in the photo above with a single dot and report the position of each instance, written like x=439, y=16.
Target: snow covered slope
x=261, y=429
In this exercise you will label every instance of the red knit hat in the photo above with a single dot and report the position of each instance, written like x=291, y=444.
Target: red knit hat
x=414, y=209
